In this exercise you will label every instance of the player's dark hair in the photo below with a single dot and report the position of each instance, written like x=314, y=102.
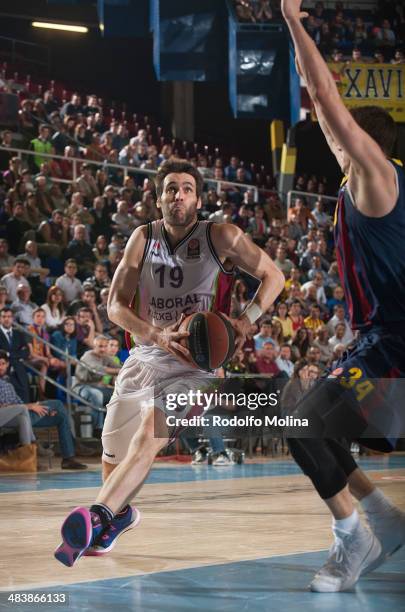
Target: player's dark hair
x=378, y=124
x=4, y=355
x=178, y=166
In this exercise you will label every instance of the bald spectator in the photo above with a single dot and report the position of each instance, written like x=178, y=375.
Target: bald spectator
x=23, y=307
x=124, y=221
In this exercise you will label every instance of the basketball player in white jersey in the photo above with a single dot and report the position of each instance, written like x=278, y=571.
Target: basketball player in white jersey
x=170, y=268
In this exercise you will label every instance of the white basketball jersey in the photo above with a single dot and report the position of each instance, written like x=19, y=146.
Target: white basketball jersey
x=177, y=280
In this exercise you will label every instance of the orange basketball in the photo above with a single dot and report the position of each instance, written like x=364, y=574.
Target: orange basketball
x=211, y=341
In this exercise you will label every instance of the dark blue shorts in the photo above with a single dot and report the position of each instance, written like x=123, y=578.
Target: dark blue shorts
x=363, y=397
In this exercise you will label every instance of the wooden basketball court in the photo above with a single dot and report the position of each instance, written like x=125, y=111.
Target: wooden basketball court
x=210, y=538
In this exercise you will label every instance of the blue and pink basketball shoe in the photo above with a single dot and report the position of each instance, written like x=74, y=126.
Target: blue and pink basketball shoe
x=84, y=535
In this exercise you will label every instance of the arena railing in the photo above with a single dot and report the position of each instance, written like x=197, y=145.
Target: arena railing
x=21, y=50
x=308, y=196
x=76, y=162
x=70, y=360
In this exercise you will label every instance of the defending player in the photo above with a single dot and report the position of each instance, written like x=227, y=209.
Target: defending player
x=171, y=266
x=370, y=242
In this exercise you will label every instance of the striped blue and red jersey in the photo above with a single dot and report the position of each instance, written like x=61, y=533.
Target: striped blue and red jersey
x=371, y=260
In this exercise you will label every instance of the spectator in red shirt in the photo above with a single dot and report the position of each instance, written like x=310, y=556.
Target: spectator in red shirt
x=266, y=361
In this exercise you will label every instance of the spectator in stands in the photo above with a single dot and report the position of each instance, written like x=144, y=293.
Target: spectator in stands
x=314, y=356
x=263, y=11
x=339, y=317
x=15, y=343
x=65, y=338
x=55, y=234
x=385, y=35
x=54, y=308
x=6, y=260
x=296, y=317
x=339, y=336
x=322, y=219
x=285, y=321
x=40, y=354
x=85, y=330
x=22, y=307
x=12, y=174
x=264, y=334
x=123, y=220
x=100, y=279
x=165, y=154
x=101, y=251
x=399, y=57
x=266, y=360
x=338, y=298
x=88, y=300
x=72, y=108
x=302, y=214
x=240, y=298
x=244, y=11
x=108, y=327
x=378, y=57
x=13, y=415
x=101, y=220
x=3, y=297
x=70, y=286
x=277, y=334
x=42, y=144
x=313, y=321
x=284, y=362
x=16, y=227
x=300, y=344
x=230, y=170
x=15, y=278
x=321, y=342
x=89, y=380
x=112, y=351
x=50, y=413
x=222, y=214
x=82, y=251
x=87, y=185
x=282, y=262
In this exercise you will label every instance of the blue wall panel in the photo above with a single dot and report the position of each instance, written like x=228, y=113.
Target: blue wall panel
x=190, y=39
x=259, y=74
x=124, y=18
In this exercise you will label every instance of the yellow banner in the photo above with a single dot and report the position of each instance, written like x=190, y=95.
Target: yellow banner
x=372, y=84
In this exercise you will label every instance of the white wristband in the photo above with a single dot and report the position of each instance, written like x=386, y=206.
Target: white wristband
x=253, y=312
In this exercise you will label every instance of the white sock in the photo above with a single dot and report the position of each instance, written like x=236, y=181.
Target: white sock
x=348, y=524
x=376, y=503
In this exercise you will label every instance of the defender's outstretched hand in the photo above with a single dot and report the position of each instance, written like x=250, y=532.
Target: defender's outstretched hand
x=291, y=9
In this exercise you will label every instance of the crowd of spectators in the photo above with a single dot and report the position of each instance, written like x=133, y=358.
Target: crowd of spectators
x=342, y=33
x=61, y=242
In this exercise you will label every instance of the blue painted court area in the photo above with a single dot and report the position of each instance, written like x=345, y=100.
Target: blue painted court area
x=183, y=473
x=263, y=585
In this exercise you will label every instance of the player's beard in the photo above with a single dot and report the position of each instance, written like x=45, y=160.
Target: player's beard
x=181, y=217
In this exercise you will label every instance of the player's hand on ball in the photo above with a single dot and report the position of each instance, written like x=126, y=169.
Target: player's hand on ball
x=241, y=327
x=169, y=340
x=291, y=9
